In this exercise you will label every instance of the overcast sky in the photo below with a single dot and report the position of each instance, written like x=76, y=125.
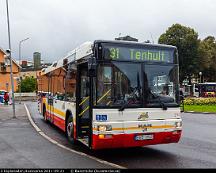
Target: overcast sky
x=57, y=26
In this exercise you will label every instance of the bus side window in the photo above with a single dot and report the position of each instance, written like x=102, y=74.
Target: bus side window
x=70, y=83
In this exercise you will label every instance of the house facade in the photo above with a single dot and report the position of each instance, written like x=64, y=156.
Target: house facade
x=5, y=80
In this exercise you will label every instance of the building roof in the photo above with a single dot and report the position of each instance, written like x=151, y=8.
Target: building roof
x=14, y=61
x=2, y=50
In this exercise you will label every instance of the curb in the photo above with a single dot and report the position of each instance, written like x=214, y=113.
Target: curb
x=199, y=112
x=66, y=148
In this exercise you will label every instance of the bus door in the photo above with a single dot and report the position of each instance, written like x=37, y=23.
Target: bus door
x=50, y=100
x=83, y=97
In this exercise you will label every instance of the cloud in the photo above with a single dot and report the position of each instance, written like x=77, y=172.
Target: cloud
x=57, y=26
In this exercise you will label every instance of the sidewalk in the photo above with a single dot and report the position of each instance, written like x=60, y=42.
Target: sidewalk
x=22, y=147
x=6, y=112
x=11, y=132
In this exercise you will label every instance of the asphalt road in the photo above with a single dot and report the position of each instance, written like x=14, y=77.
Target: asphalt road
x=196, y=149
x=22, y=147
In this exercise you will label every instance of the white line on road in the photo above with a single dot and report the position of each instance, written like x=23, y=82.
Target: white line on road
x=66, y=148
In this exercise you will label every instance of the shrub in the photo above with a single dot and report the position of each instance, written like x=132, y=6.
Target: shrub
x=200, y=101
x=28, y=84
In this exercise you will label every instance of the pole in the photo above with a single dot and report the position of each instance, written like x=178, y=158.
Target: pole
x=20, y=43
x=19, y=73
x=11, y=63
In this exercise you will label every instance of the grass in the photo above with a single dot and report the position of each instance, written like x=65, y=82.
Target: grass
x=200, y=108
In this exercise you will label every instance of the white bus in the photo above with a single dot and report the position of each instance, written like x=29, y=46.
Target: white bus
x=104, y=94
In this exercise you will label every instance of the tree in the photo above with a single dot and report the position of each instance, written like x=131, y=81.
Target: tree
x=187, y=43
x=207, y=58
x=29, y=84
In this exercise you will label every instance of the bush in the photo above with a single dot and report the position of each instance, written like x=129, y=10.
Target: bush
x=29, y=84
x=200, y=101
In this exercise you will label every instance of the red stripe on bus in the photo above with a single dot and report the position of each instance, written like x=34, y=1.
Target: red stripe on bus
x=60, y=123
x=128, y=140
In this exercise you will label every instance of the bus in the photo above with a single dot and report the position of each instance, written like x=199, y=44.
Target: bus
x=207, y=89
x=114, y=94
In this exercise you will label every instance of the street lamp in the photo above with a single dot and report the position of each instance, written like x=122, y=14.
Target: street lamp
x=20, y=43
x=11, y=63
x=200, y=74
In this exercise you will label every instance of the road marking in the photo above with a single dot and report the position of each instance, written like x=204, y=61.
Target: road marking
x=66, y=148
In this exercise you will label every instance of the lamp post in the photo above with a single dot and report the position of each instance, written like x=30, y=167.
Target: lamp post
x=11, y=63
x=200, y=74
x=20, y=44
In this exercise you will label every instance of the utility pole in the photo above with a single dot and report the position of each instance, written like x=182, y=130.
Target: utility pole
x=11, y=63
x=20, y=44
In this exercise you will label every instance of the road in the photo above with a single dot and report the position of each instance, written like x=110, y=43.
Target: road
x=196, y=149
x=22, y=147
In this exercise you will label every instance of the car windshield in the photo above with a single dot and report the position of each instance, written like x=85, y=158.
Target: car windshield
x=119, y=83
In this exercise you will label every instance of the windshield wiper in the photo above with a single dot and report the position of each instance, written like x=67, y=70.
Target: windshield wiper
x=123, y=106
x=163, y=106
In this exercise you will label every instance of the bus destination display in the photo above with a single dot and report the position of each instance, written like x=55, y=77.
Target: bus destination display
x=137, y=54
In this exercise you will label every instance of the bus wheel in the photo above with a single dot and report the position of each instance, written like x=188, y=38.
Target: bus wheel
x=70, y=130
x=44, y=114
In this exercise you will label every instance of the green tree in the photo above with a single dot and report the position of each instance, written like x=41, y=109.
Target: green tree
x=29, y=84
x=207, y=58
x=186, y=40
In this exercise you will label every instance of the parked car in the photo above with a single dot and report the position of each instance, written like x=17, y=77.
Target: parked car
x=2, y=92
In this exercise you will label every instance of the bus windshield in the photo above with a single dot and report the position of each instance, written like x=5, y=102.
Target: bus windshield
x=137, y=76
x=162, y=83
x=120, y=83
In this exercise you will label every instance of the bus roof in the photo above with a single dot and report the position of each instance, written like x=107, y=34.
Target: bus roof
x=85, y=49
x=135, y=43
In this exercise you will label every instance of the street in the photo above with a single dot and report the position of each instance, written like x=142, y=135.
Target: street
x=22, y=147
x=196, y=149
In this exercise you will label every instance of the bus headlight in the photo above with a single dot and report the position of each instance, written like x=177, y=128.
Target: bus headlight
x=103, y=128
x=178, y=124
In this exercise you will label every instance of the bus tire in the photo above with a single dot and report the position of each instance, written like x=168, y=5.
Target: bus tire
x=70, y=130
x=44, y=114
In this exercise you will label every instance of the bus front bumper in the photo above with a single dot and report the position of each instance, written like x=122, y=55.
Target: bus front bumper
x=129, y=140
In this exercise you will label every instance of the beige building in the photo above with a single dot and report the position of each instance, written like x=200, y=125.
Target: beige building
x=33, y=74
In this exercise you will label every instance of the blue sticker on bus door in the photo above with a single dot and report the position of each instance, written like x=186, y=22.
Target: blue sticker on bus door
x=101, y=117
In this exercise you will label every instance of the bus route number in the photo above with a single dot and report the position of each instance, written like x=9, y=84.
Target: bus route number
x=101, y=117
x=114, y=53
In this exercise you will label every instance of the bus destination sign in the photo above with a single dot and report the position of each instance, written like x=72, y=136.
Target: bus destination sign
x=139, y=54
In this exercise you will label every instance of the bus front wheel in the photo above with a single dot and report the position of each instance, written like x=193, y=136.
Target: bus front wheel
x=70, y=130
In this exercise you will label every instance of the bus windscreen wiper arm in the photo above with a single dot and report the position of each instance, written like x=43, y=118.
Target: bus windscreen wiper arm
x=123, y=107
x=163, y=106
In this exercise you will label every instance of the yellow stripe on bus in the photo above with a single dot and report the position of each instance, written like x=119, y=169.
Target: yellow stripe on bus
x=103, y=96
x=84, y=111
x=54, y=110
x=84, y=101
x=137, y=128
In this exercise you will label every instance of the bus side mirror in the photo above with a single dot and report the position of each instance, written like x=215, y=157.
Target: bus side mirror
x=92, y=67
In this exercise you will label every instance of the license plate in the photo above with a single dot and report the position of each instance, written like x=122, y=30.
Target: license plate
x=144, y=137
